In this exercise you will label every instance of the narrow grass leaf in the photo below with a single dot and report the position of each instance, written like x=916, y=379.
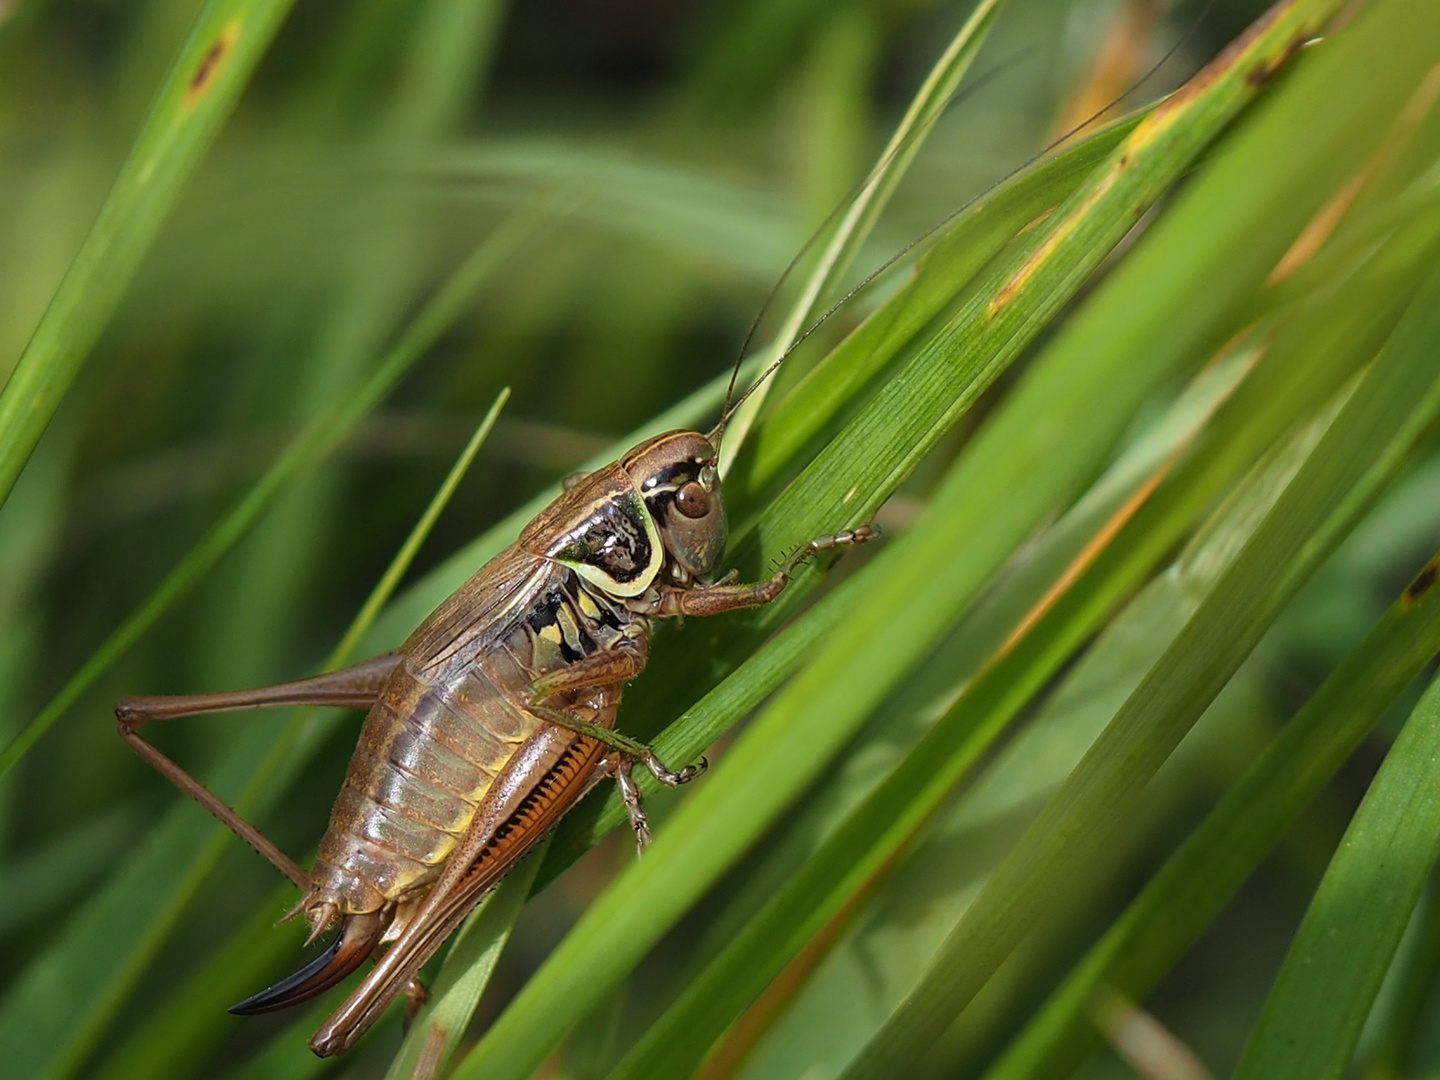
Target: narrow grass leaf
x=468, y=966
x=1357, y=456
x=225, y=44
x=816, y=713
x=385, y=587
x=1313, y=1016
x=111, y=940
x=860, y=216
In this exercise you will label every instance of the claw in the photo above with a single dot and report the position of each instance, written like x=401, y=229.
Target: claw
x=356, y=940
x=673, y=779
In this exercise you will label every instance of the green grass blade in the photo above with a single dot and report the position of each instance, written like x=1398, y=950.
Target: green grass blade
x=1401, y=1019
x=1199, y=878
x=306, y=450
x=112, y=939
x=1357, y=456
x=226, y=43
x=930, y=102
x=976, y=237
x=855, y=225
x=1313, y=1017
x=468, y=967
x=385, y=588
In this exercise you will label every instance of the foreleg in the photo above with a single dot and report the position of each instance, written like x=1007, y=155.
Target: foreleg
x=723, y=596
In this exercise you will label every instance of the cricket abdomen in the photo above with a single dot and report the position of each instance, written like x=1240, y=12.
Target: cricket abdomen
x=426, y=758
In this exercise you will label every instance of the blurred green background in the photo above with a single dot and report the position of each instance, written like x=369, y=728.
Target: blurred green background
x=636, y=174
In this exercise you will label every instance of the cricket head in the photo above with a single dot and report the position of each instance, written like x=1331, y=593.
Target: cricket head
x=677, y=476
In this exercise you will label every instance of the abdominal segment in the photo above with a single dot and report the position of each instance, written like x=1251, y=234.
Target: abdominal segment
x=432, y=748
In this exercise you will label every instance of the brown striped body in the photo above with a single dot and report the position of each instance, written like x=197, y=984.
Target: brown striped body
x=446, y=738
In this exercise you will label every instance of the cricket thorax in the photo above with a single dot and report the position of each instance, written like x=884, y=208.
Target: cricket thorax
x=616, y=547
x=602, y=530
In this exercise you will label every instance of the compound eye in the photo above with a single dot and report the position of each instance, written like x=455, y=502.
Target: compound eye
x=692, y=500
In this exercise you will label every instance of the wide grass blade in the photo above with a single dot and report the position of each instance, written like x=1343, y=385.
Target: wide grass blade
x=1199, y=878
x=975, y=237
x=1358, y=455
x=812, y=717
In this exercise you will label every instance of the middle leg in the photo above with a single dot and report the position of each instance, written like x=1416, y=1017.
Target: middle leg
x=622, y=744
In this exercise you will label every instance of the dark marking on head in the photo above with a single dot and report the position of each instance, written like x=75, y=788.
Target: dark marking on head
x=1423, y=582
x=680, y=473
x=206, y=72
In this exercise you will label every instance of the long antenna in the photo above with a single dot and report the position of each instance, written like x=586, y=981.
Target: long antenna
x=845, y=201
x=864, y=209
x=730, y=407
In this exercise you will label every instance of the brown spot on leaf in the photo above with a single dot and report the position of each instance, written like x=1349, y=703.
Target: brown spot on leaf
x=1423, y=582
x=1262, y=72
x=208, y=70
x=1249, y=46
